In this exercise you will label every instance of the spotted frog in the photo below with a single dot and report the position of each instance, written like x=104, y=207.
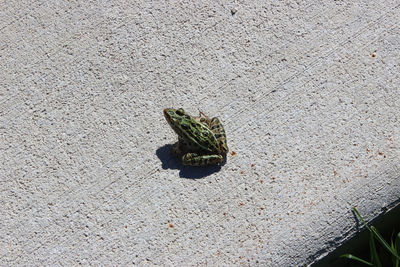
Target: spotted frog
x=201, y=141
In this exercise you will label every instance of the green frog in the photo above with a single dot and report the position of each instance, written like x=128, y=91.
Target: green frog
x=201, y=141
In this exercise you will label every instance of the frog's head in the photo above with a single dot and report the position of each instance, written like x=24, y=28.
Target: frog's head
x=178, y=120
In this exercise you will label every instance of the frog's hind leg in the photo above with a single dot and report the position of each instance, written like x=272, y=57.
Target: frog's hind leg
x=219, y=133
x=194, y=159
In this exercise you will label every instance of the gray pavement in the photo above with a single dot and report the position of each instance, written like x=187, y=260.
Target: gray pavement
x=308, y=93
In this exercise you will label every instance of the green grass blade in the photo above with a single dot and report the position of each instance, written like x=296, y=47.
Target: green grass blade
x=384, y=243
x=374, y=254
x=396, y=247
x=361, y=219
x=352, y=257
x=392, y=245
x=397, y=243
x=377, y=235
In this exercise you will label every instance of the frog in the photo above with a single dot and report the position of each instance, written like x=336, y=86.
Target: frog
x=201, y=140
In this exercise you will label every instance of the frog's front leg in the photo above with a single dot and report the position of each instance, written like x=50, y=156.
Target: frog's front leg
x=218, y=130
x=194, y=159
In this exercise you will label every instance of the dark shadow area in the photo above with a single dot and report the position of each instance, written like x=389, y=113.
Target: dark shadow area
x=358, y=245
x=170, y=161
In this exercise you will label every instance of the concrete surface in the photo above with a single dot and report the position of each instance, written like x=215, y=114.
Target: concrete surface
x=308, y=93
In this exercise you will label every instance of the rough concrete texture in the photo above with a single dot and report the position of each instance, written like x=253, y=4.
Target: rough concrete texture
x=308, y=93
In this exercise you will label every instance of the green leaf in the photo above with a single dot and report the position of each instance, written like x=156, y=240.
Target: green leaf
x=397, y=243
x=374, y=254
x=384, y=243
x=393, y=246
x=361, y=219
x=396, y=247
x=377, y=235
x=352, y=257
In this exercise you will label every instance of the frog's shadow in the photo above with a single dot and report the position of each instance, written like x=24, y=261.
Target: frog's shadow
x=170, y=161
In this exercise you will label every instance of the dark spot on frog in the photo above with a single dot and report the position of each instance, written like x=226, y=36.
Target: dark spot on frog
x=193, y=125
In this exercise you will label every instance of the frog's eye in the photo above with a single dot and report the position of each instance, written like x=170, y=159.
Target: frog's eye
x=170, y=112
x=180, y=111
